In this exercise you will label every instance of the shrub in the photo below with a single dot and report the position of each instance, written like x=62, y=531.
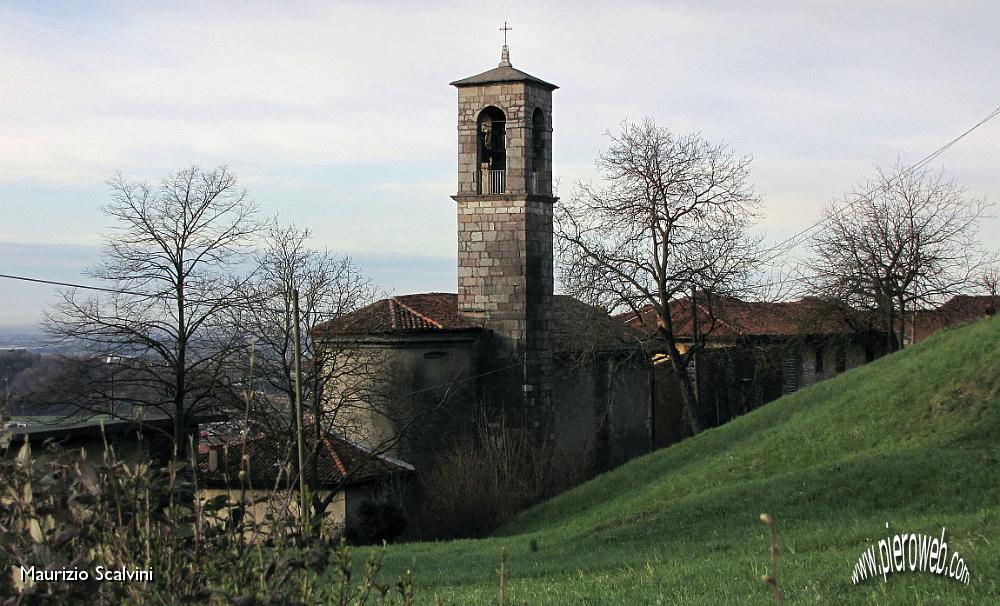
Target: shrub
x=67, y=513
x=379, y=521
x=486, y=478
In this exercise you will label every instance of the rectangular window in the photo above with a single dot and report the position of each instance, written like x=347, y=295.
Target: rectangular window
x=841, y=359
x=819, y=359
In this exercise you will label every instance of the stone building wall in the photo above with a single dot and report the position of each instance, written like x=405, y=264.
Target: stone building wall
x=505, y=259
x=603, y=411
x=419, y=397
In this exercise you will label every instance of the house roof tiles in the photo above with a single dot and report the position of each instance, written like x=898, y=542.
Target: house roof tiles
x=433, y=311
x=341, y=462
x=576, y=326
x=728, y=317
x=957, y=310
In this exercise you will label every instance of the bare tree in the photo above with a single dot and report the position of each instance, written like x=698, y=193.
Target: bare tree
x=168, y=263
x=902, y=240
x=989, y=279
x=670, y=221
x=337, y=378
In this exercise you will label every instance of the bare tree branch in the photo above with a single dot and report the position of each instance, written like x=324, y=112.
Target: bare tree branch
x=172, y=254
x=903, y=240
x=670, y=218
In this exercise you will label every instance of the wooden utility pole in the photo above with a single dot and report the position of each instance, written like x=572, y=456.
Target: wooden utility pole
x=6, y=397
x=299, y=434
x=695, y=345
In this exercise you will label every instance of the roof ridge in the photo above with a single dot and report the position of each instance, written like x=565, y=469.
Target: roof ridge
x=393, y=320
x=333, y=455
x=413, y=311
x=369, y=450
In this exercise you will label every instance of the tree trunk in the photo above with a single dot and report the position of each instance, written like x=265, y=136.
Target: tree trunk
x=180, y=378
x=889, y=322
x=689, y=400
x=902, y=322
x=689, y=410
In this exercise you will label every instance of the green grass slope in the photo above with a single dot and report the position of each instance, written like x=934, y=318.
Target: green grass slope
x=912, y=440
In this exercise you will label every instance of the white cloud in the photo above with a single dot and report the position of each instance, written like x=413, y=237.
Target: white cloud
x=340, y=116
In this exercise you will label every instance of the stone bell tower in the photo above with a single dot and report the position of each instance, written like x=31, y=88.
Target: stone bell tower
x=505, y=203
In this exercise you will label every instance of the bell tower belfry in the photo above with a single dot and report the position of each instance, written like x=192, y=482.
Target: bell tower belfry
x=505, y=276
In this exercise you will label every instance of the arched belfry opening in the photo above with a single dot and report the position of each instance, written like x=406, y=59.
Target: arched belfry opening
x=537, y=170
x=491, y=129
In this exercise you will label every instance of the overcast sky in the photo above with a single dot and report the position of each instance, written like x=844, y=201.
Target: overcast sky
x=339, y=117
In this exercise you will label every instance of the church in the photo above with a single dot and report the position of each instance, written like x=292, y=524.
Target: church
x=503, y=345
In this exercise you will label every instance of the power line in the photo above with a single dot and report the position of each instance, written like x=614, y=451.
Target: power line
x=782, y=247
x=116, y=291
x=464, y=379
x=164, y=296
x=790, y=243
x=81, y=286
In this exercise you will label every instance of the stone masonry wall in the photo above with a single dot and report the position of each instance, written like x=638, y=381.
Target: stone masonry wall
x=505, y=279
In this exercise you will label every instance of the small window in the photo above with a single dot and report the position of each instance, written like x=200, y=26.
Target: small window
x=841, y=359
x=435, y=355
x=819, y=359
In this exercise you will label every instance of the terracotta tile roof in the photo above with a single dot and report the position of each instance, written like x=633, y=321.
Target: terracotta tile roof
x=341, y=462
x=730, y=317
x=962, y=308
x=432, y=311
x=957, y=310
x=577, y=326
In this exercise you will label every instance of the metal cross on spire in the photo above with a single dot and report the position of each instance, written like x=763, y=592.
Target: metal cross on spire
x=504, y=53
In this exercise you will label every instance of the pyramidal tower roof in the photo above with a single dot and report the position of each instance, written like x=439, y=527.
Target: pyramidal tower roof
x=504, y=72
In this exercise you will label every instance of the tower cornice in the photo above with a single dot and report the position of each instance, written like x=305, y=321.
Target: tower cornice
x=506, y=197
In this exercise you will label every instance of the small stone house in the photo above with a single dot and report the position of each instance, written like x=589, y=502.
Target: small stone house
x=352, y=474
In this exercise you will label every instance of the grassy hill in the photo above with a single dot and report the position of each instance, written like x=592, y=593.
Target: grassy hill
x=912, y=440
